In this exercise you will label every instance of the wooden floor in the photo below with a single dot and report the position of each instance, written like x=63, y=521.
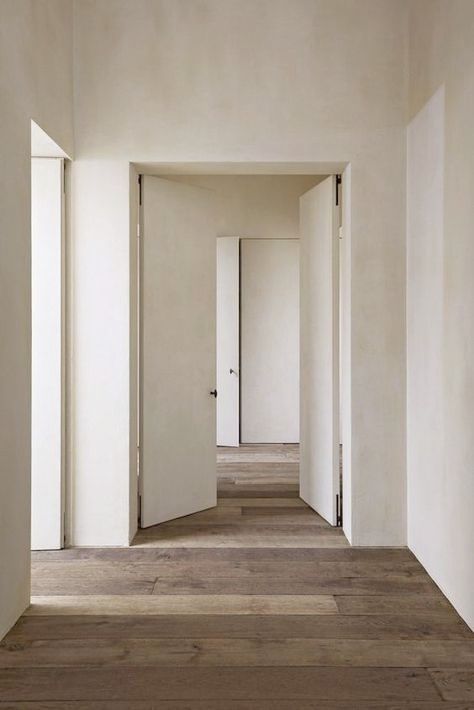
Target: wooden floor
x=255, y=605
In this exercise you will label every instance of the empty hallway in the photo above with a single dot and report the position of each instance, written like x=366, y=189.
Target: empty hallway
x=244, y=225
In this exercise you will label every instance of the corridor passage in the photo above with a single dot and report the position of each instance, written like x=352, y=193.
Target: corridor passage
x=257, y=604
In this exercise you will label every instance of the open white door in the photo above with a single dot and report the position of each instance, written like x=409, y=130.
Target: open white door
x=319, y=349
x=228, y=275
x=178, y=350
x=47, y=336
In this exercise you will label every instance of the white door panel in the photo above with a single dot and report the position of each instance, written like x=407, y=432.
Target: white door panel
x=178, y=350
x=228, y=341
x=319, y=448
x=270, y=340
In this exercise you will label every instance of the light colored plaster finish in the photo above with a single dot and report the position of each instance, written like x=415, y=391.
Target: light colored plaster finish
x=275, y=81
x=269, y=341
x=378, y=384
x=35, y=82
x=43, y=146
x=425, y=329
x=47, y=366
x=233, y=76
x=441, y=524
x=100, y=320
x=256, y=206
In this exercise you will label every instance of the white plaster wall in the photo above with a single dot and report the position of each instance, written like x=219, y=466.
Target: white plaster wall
x=440, y=298
x=378, y=385
x=101, y=386
x=156, y=78
x=425, y=329
x=47, y=354
x=276, y=81
x=256, y=206
x=269, y=340
x=35, y=82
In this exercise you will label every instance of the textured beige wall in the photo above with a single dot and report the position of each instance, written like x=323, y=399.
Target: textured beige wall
x=35, y=83
x=441, y=296
x=256, y=206
x=234, y=77
x=272, y=80
x=102, y=258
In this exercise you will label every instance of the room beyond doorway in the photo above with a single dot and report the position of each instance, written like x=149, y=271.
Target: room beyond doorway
x=257, y=340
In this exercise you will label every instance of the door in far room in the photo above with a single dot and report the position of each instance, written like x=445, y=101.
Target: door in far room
x=269, y=341
x=227, y=343
x=178, y=350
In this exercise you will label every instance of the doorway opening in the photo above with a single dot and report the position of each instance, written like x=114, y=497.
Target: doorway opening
x=48, y=341
x=257, y=340
x=257, y=356
x=275, y=392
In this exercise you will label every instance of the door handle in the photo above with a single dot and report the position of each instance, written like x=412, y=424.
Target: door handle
x=233, y=372
x=213, y=393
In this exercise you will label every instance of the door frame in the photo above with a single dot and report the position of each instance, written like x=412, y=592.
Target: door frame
x=344, y=289
x=234, y=242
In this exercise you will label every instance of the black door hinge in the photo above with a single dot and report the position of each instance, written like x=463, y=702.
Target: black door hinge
x=338, y=182
x=339, y=510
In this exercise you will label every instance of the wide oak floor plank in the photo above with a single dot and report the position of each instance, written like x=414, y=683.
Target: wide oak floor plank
x=393, y=604
x=232, y=490
x=318, y=569
x=236, y=705
x=188, y=683
x=246, y=554
x=292, y=586
x=384, y=627
x=260, y=704
x=87, y=584
x=183, y=604
x=255, y=502
x=237, y=652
